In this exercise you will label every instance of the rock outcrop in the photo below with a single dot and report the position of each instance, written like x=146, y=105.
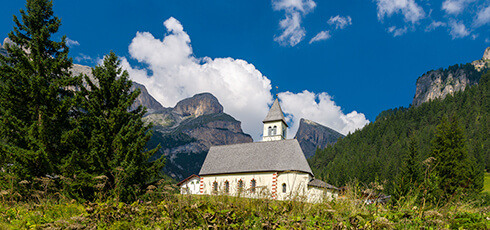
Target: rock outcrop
x=144, y=98
x=187, y=131
x=437, y=84
x=312, y=135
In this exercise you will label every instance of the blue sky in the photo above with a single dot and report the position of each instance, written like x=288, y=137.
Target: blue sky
x=339, y=63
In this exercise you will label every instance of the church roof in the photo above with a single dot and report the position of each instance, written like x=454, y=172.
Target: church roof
x=267, y=156
x=321, y=184
x=275, y=113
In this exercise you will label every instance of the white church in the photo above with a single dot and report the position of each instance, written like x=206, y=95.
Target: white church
x=274, y=168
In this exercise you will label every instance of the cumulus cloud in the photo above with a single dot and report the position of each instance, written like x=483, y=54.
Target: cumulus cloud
x=434, y=25
x=340, y=21
x=173, y=73
x=482, y=17
x=397, y=31
x=71, y=43
x=487, y=40
x=83, y=57
x=411, y=11
x=319, y=108
x=292, y=31
x=455, y=7
x=323, y=35
x=457, y=29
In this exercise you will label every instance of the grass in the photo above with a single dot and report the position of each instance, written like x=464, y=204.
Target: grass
x=486, y=183
x=174, y=211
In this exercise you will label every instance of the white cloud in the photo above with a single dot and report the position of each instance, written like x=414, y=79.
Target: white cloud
x=242, y=89
x=83, y=57
x=457, y=29
x=434, y=25
x=319, y=108
x=482, y=17
x=71, y=43
x=455, y=7
x=411, y=11
x=397, y=31
x=340, y=21
x=323, y=35
x=292, y=31
x=487, y=40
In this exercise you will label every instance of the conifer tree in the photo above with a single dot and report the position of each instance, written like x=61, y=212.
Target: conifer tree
x=35, y=99
x=116, y=137
x=449, y=150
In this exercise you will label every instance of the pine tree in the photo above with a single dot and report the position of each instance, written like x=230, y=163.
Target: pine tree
x=35, y=99
x=116, y=137
x=451, y=154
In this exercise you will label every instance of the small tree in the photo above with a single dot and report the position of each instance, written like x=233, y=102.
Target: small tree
x=115, y=137
x=449, y=150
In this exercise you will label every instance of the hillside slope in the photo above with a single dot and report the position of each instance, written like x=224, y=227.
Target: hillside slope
x=375, y=152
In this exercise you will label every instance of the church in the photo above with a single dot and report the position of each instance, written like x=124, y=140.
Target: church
x=275, y=168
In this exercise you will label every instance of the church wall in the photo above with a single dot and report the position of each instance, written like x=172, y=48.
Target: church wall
x=190, y=187
x=280, y=131
x=296, y=185
x=262, y=190
x=316, y=194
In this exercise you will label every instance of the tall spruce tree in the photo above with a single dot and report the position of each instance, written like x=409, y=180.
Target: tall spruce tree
x=116, y=137
x=34, y=96
x=451, y=154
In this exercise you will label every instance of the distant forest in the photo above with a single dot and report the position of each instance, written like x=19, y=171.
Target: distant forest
x=378, y=152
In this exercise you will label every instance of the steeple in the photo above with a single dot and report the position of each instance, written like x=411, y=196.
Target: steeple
x=275, y=125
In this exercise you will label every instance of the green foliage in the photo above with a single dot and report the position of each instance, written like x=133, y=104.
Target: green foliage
x=112, y=148
x=35, y=99
x=379, y=150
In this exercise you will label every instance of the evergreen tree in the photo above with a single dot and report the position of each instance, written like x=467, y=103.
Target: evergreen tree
x=410, y=175
x=35, y=99
x=451, y=154
x=115, y=137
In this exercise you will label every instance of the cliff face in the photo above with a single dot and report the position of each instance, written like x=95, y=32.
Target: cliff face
x=439, y=83
x=187, y=131
x=312, y=135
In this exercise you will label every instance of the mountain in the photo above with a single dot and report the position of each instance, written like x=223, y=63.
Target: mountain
x=439, y=83
x=187, y=131
x=144, y=98
x=312, y=135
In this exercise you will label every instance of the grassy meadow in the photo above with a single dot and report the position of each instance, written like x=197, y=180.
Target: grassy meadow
x=174, y=211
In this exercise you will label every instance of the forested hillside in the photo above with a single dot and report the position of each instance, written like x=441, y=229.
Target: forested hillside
x=377, y=152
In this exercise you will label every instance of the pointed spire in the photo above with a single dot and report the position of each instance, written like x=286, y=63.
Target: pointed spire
x=275, y=113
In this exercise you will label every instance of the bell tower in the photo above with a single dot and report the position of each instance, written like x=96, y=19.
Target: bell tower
x=275, y=126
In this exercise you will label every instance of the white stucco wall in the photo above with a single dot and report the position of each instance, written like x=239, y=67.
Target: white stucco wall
x=190, y=187
x=280, y=132
x=296, y=185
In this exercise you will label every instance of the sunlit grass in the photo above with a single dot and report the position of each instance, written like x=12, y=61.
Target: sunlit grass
x=486, y=184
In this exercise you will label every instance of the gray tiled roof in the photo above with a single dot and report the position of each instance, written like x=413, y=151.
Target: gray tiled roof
x=267, y=156
x=321, y=184
x=275, y=113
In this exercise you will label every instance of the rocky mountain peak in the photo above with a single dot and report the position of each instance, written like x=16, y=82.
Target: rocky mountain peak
x=198, y=105
x=486, y=55
x=6, y=41
x=312, y=135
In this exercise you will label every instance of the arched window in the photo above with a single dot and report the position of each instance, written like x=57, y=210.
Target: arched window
x=240, y=186
x=283, y=187
x=269, y=131
x=274, y=130
x=227, y=187
x=253, y=184
x=215, y=186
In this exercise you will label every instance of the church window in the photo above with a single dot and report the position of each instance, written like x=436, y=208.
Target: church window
x=240, y=186
x=253, y=184
x=269, y=131
x=227, y=187
x=215, y=186
x=274, y=130
x=283, y=187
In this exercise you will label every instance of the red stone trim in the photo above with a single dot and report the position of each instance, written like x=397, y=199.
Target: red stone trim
x=274, y=186
x=201, y=186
